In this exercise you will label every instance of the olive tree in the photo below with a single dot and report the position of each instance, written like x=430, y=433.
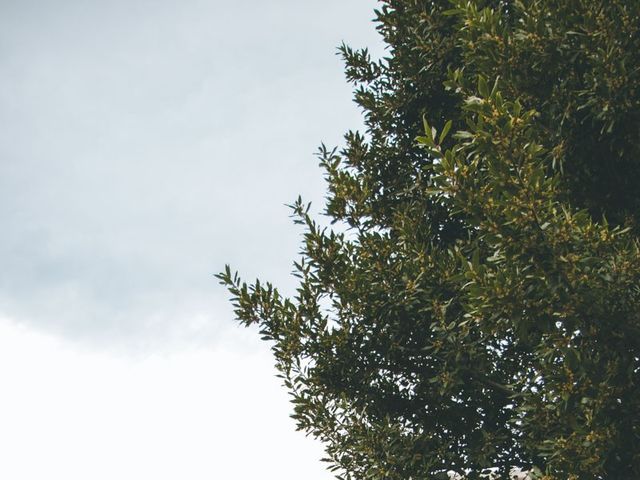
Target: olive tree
x=476, y=302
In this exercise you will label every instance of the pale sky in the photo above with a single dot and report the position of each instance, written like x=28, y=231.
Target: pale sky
x=144, y=145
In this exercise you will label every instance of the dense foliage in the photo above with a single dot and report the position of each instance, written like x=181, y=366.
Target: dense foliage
x=477, y=303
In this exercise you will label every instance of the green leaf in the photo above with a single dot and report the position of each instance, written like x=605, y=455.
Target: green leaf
x=483, y=88
x=445, y=131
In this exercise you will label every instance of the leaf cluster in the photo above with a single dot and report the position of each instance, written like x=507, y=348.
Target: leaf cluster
x=481, y=307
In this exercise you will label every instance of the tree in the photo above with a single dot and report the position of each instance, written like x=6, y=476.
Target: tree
x=477, y=303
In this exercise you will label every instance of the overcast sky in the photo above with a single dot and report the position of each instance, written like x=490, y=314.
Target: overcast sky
x=144, y=144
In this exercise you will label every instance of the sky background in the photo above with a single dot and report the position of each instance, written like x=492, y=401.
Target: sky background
x=143, y=146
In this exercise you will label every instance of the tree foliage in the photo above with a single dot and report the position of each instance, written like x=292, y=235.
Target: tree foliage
x=478, y=302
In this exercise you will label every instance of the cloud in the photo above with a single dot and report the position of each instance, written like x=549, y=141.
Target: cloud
x=75, y=414
x=145, y=144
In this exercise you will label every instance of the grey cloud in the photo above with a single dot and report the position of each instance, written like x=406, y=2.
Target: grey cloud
x=145, y=144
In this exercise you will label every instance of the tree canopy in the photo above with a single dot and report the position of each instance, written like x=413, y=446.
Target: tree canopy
x=476, y=302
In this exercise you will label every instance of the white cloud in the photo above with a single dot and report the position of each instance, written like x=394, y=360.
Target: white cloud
x=144, y=145
x=74, y=415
